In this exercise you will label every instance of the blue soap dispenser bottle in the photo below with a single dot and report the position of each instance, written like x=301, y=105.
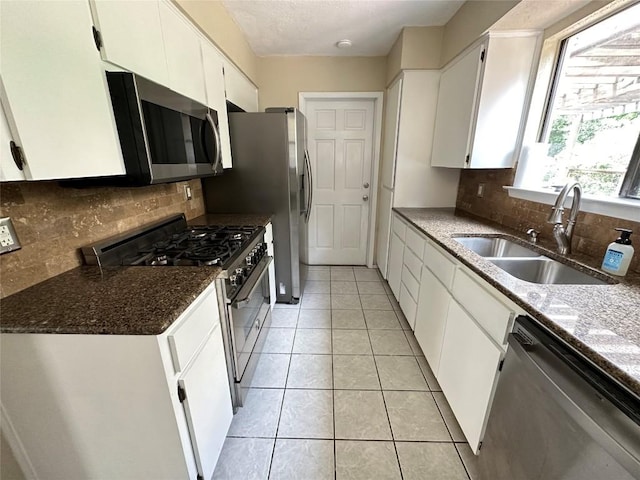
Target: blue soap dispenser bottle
x=619, y=254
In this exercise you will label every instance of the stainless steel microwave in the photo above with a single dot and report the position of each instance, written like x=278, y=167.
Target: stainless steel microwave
x=164, y=136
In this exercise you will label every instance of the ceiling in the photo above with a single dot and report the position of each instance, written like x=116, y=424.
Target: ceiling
x=312, y=27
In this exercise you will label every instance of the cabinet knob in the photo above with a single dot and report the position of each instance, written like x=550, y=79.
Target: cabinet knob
x=366, y=185
x=365, y=197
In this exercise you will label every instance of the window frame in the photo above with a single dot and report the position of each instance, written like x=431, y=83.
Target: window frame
x=544, y=87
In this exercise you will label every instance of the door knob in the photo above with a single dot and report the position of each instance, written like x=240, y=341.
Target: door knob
x=366, y=185
x=365, y=197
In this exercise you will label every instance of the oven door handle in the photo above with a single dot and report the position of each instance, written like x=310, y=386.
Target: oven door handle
x=243, y=296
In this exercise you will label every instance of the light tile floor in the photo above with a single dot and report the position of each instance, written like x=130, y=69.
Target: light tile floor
x=344, y=392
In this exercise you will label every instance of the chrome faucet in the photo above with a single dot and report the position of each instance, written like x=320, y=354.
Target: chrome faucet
x=562, y=236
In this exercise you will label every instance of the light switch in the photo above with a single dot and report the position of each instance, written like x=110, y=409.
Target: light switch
x=8, y=238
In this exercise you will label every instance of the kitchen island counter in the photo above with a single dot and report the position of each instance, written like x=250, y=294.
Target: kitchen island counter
x=600, y=321
x=114, y=301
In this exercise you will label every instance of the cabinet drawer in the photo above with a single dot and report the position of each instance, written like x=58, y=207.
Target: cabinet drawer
x=439, y=264
x=491, y=314
x=399, y=227
x=415, y=242
x=408, y=306
x=410, y=282
x=192, y=330
x=412, y=262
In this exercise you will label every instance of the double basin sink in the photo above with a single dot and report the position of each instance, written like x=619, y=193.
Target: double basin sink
x=525, y=263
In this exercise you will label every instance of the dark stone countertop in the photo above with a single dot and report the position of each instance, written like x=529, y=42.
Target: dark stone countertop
x=601, y=321
x=118, y=301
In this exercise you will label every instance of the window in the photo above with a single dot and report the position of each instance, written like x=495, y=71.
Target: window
x=591, y=130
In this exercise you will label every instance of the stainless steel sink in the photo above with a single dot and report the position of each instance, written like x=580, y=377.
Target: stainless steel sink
x=495, y=247
x=545, y=270
x=525, y=263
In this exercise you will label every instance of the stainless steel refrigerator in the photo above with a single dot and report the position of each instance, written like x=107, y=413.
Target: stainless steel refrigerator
x=271, y=174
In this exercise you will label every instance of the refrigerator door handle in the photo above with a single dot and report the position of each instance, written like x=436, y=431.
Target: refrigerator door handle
x=310, y=192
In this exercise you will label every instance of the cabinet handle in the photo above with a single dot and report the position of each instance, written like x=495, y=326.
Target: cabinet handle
x=16, y=153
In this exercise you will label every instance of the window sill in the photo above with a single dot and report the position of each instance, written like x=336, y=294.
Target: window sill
x=626, y=209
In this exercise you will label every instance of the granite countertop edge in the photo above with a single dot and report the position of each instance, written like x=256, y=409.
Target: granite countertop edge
x=487, y=271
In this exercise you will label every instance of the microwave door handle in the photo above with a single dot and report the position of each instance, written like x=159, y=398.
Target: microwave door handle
x=216, y=161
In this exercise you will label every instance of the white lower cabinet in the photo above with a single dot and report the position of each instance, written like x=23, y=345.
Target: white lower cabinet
x=467, y=372
x=431, y=317
x=460, y=322
x=396, y=252
x=109, y=406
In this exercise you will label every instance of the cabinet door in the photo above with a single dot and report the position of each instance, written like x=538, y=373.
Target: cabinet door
x=240, y=91
x=55, y=90
x=390, y=140
x=213, y=65
x=468, y=372
x=208, y=403
x=431, y=317
x=457, y=100
x=396, y=253
x=8, y=169
x=385, y=201
x=182, y=49
x=132, y=36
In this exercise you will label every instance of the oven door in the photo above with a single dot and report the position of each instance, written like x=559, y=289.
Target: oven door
x=247, y=314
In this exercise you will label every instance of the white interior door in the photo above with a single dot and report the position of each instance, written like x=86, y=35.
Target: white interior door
x=340, y=140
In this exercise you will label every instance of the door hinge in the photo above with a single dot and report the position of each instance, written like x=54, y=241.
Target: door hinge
x=482, y=55
x=199, y=477
x=467, y=159
x=182, y=394
x=97, y=38
x=500, y=365
x=16, y=153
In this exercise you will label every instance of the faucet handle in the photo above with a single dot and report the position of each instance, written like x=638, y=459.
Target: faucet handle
x=533, y=234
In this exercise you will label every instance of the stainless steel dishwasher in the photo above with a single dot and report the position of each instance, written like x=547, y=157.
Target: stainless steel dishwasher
x=556, y=416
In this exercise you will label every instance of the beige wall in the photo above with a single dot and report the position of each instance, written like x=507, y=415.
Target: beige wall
x=282, y=78
x=471, y=21
x=215, y=22
x=394, y=59
x=417, y=48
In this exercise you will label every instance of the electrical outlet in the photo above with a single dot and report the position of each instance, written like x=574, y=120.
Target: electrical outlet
x=8, y=238
x=187, y=192
x=480, y=192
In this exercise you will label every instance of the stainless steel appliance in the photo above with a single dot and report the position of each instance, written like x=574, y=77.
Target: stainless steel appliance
x=271, y=174
x=164, y=136
x=557, y=416
x=242, y=287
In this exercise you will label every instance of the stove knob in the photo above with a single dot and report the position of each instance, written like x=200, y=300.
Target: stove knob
x=234, y=280
x=240, y=273
x=249, y=259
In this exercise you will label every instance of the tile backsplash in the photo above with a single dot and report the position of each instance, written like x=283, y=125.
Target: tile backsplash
x=592, y=232
x=53, y=222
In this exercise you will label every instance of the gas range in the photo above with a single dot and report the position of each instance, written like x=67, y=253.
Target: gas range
x=170, y=242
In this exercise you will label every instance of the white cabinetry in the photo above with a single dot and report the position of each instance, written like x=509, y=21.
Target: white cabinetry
x=239, y=89
x=131, y=34
x=407, y=178
x=468, y=372
x=9, y=171
x=109, y=406
x=460, y=322
x=482, y=101
x=268, y=238
x=54, y=91
x=213, y=65
x=184, y=57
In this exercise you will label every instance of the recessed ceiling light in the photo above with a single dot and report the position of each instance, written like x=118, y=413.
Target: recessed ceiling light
x=344, y=44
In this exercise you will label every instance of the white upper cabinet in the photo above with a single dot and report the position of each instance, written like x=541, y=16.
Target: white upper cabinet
x=240, y=91
x=482, y=101
x=131, y=35
x=182, y=49
x=213, y=64
x=54, y=91
x=9, y=170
